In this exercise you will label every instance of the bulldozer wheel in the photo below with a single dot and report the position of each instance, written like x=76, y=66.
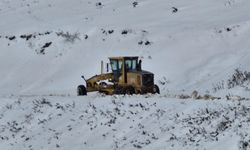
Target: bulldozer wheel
x=118, y=90
x=130, y=90
x=81, y=90
x=156, y=89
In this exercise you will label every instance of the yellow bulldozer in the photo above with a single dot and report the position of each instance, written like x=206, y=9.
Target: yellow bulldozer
x=127, y=77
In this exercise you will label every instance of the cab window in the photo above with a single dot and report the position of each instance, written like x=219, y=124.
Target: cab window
x=116, y=65
x=131, y=64
x=120, y=64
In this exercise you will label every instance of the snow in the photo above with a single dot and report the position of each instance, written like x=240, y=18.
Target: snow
x=199, y=47
x=122, y=122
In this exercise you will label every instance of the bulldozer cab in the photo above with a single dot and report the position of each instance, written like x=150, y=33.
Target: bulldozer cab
x=121, y=65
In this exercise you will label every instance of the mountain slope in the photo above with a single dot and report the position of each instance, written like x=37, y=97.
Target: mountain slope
x=122, y=122
x=195, y=47
x=46, y=45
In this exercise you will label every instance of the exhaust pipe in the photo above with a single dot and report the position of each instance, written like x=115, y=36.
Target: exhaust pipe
x=107, y=65
x=101, y=67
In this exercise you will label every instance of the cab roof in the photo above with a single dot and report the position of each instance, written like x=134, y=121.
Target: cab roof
x=124, y=57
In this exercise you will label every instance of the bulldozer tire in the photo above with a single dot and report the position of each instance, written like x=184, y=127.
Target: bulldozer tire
x=130, y=90
x=81, y=90
x=156, y=89
x=118, y=90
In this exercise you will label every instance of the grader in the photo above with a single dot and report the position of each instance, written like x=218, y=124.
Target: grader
x=126, y=77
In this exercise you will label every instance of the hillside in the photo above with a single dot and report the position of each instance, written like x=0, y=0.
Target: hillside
x=122, y=123
x=45, y=47
x=193, y=48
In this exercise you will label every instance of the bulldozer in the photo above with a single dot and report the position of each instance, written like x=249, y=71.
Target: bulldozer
x=126, y=77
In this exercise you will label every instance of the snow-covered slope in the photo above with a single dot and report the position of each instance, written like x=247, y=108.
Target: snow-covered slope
x=46, y=45
x=193, y=48
x=122, y=123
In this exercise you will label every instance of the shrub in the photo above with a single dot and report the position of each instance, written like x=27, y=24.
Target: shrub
x=238, y=78
x=69, y=37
